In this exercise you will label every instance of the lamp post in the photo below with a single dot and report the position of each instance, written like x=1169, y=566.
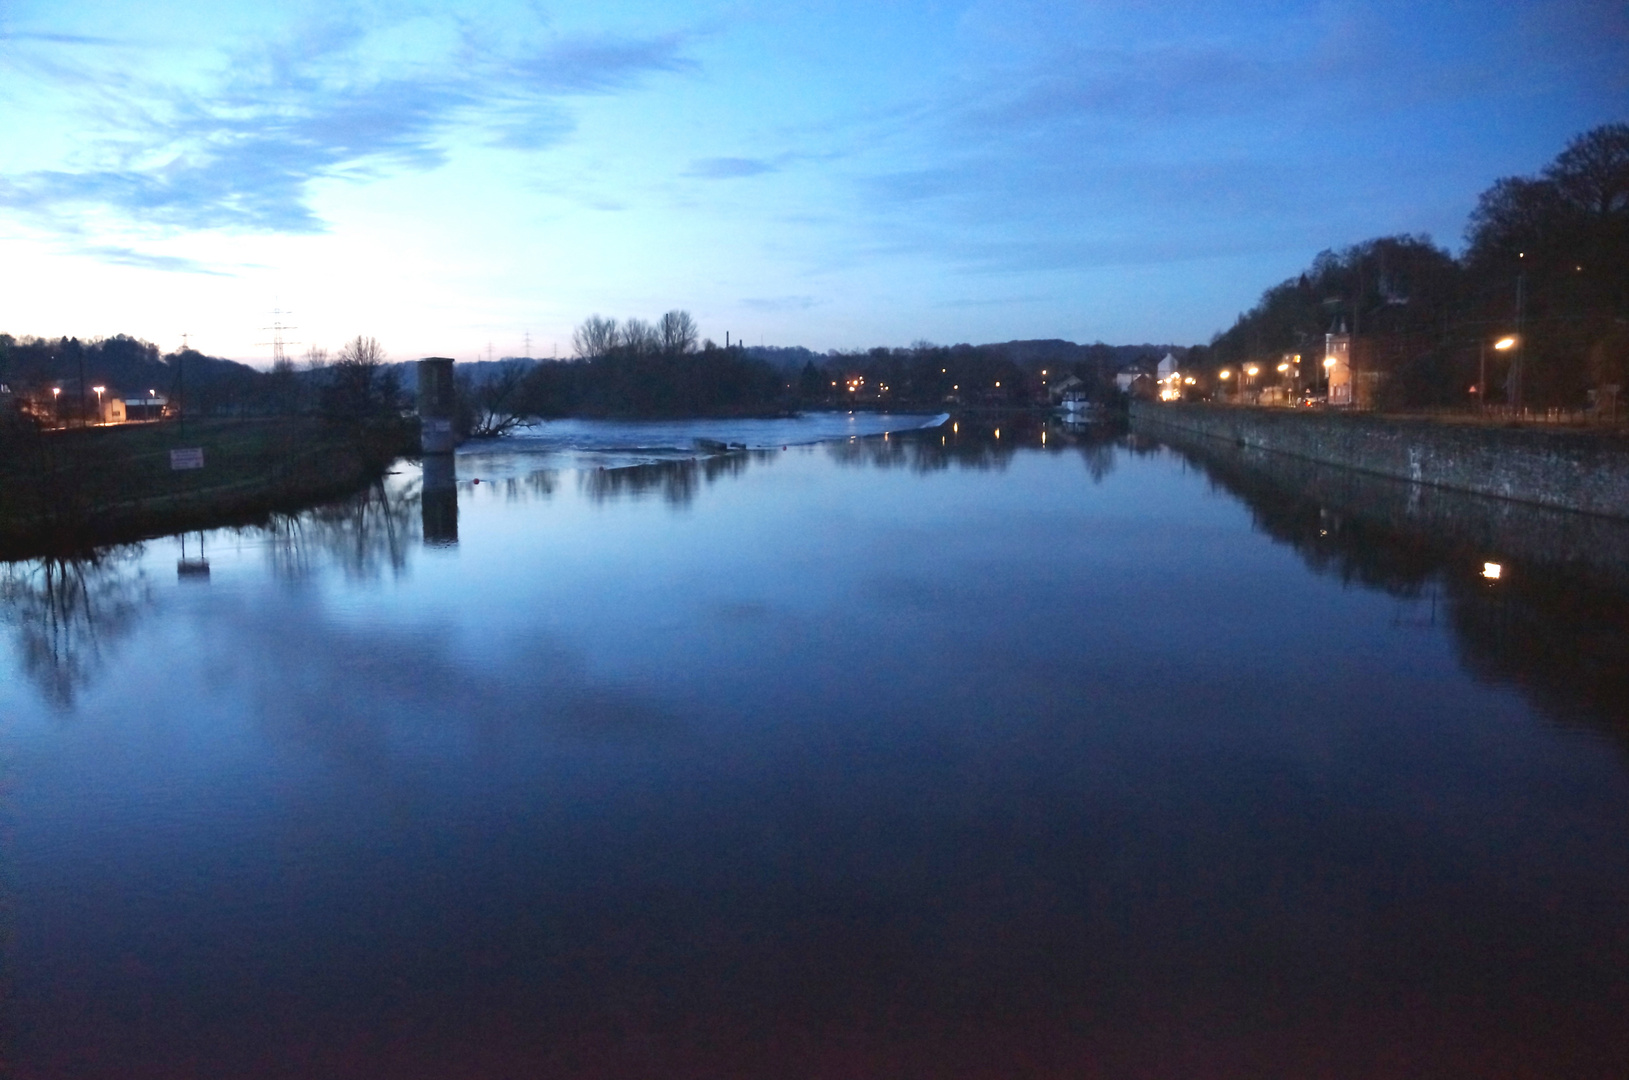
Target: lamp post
x=100, y=390
x=1502, y=345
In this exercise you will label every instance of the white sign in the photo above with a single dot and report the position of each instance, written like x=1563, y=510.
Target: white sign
x=187, y=459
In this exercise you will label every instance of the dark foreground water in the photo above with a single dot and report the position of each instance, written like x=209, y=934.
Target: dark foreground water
x=933, y=755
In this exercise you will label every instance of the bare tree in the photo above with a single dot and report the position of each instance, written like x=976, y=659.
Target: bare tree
x=493, y=402
x=316, y=358
x=355, y=388
x=595, y=337
x=639, y=337
x=364, y=352
x=678, y=332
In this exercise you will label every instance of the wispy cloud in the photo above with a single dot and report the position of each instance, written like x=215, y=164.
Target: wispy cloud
x=124, y=256
x=242, y=153
x=727, y=168
x=59, y=39
x=780, y=303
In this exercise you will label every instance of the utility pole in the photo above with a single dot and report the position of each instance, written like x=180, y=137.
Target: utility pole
x=181, y=386
x=1518, y=364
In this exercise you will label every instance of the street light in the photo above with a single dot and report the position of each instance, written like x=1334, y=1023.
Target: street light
x=99, y=391
x=1504, y=344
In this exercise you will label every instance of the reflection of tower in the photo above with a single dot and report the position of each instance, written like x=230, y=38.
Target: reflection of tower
x=439, y=502
x=437, y=405
x=1338, y=363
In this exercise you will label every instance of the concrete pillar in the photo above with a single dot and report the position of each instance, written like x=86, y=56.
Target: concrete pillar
x=438, y=404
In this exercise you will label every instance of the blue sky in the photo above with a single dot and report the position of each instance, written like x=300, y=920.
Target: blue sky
x=449, y=176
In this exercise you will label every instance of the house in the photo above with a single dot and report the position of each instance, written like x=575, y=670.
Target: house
x=1062, y=388
x=1167, y=368
x=137, y=409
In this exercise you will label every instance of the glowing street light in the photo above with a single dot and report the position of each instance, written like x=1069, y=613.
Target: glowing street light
x=100, y=390
x=1504, y=344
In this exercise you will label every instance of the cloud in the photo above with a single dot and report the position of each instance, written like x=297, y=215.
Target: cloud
x=726, y=168
x=780, y=303
x=59, y=39
x=124, y=256
x=242, y=153
x=599, y=65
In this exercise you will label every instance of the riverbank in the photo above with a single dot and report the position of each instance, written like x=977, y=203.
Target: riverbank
x=1581, y=471
x=66, y=491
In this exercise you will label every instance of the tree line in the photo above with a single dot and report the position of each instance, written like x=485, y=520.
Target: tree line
x=353, y=384
x=1546, y=262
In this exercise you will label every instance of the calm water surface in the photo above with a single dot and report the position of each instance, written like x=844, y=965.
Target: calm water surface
x=939, y=754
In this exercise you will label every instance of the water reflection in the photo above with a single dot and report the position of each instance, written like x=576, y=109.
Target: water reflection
x=365, y=535
x=1552, y=620
x=69, y=614
x=984, y=443
x=439, y=500
x=677, y=481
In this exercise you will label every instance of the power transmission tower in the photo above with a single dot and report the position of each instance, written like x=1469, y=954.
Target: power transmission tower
x=528, y=344
x=277, y=343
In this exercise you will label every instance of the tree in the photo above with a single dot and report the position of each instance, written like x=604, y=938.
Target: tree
x=356, y=389
x=597, y=336
x=495, y=404
x=1549, y=256
x=678, y=333
x=1592, y=173
x=639, y=338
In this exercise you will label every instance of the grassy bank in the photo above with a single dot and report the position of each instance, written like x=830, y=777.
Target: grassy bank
x=74, y=489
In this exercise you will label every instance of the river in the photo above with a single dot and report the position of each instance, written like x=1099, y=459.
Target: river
x=877, y=748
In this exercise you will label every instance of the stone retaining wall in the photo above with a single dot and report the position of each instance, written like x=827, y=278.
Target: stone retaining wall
x=1586, y=472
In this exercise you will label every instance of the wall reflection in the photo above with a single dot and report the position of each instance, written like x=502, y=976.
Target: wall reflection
x=1552, y=616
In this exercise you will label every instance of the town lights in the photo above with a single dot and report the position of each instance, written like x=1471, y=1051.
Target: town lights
x=1225, y=374
x=1329, y=361
x=1283, y=367
x=1502, y=344
x=1492, y=571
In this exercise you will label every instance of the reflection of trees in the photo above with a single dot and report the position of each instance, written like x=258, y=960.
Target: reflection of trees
x=364, y=534
x=68, y=613
x=677, y=481
x=1556, y=631
x=981, y=443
